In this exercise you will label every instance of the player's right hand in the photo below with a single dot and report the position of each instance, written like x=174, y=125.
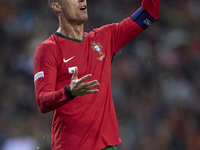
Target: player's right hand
x=79, y=87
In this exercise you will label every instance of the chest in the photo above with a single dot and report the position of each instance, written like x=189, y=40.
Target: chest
x=90, y=57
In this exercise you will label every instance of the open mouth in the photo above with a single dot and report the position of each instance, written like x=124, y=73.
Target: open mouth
x=83, y=8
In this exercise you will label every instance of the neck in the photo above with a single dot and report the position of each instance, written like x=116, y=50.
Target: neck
x=71, y=30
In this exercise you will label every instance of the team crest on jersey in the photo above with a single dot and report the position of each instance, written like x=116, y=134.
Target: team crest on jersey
x=98, y=48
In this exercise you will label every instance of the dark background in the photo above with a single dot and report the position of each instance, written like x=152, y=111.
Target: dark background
x=155, y=78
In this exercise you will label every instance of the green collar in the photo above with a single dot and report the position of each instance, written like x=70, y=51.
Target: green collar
x=70, y=38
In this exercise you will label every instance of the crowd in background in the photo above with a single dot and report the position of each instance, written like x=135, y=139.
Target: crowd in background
x=155, y=78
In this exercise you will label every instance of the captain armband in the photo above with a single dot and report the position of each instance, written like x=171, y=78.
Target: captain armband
x=143, y=18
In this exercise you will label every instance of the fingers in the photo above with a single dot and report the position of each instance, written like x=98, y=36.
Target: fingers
x=80, y=87
x=83, y=90
x=90, y=85
x=93, y=86
x=75, y=74
x=91, y=91
x=84, y=78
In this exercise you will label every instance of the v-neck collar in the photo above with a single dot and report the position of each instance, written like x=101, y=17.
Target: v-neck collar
x=70, y=38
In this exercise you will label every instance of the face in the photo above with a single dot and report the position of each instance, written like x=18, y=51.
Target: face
x=74, y=11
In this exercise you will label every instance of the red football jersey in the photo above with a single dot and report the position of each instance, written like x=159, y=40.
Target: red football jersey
x=87, y=122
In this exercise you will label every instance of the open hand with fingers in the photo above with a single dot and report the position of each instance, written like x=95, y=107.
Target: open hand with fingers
x=78, y=87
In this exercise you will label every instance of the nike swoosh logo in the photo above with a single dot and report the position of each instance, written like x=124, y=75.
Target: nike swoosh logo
x=65, y=61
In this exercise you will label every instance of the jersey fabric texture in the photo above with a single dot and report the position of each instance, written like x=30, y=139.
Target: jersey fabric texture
x=87, y=122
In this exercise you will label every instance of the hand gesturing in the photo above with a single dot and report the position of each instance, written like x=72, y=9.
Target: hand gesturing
x=78, y=87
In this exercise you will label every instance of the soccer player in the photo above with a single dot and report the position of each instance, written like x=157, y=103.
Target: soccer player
x=72, y=75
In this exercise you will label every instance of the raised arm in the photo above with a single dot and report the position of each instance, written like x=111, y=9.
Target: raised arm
x=147, y=14
x=126, y=30
x=152, y=7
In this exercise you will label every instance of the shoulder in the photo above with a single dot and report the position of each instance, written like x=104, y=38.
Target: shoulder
x=47, y=52
x=50, y=45
x=101, y=31
x=50, y=42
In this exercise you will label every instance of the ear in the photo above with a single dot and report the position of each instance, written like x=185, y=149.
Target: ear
x=56, y=7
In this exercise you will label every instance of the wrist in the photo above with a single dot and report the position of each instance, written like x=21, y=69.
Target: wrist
x=68, y=92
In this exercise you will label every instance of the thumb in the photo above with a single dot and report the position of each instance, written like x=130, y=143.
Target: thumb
x=75, y=74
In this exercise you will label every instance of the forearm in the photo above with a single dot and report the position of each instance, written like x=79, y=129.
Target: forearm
x=49, y=101
x=152, y=7
x=147, y=14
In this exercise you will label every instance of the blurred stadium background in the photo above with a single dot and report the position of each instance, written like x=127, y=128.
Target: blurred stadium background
x=155, y=78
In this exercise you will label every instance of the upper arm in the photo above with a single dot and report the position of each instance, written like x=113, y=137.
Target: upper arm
x=45, y=63
x=123, y=32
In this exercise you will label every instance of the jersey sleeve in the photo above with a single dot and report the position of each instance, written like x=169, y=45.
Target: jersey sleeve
x=152, y=7
x=126, y=30
x=122, y=33
x=45, y=73
x=147, y=14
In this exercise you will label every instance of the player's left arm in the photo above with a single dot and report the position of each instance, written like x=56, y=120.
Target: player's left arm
x=147, y=14
x=152, y=7
x=123, y=32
